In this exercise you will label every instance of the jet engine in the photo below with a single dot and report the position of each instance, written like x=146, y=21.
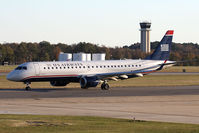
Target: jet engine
x=59, y=83
x=86, y=82
x=123, y=77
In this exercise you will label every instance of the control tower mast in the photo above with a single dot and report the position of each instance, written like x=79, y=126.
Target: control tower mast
x=145, y=37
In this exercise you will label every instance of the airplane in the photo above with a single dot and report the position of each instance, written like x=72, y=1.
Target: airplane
x=92, y=73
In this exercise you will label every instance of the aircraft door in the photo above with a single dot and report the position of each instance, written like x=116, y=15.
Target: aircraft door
x=37, y=69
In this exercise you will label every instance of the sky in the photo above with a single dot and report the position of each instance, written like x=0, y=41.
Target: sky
x=104, y=22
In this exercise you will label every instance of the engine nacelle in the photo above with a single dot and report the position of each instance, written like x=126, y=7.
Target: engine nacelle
x=139, y=74
x=59, y=83
x=136, y=75
x=123, y=77
x=86, y=82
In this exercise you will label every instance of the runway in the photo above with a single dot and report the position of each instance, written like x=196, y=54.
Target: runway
x=168, y=104
x=97, y=92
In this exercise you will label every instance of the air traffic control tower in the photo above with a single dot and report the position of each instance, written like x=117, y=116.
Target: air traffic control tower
x=145, y=37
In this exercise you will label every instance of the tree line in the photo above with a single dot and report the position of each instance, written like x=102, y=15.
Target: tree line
x=17, y=53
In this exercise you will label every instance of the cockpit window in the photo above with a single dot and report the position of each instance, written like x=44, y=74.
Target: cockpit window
x=21, y=68
x=24, y=68
x=18, y=68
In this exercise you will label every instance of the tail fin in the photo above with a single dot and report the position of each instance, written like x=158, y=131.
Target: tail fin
x=163, y=49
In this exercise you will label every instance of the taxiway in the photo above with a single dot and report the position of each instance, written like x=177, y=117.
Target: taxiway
x=168, y=104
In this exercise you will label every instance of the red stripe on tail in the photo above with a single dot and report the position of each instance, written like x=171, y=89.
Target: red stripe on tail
x=169, y=32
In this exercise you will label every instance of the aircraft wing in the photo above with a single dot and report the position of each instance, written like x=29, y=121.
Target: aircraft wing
x=131, y=74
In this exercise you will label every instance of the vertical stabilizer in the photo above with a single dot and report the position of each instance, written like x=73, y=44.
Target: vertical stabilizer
x=163, y=49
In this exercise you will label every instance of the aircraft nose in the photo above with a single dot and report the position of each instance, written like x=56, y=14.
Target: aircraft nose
x=11, y=76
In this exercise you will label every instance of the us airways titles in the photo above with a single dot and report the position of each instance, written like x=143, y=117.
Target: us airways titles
x=64, y=64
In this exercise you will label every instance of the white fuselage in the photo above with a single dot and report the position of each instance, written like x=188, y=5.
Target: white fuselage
x=41, y=70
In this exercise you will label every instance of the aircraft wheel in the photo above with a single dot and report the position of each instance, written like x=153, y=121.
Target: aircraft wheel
x=102, y=86
x=105, y=86
x=84, y=87
x=28, y=88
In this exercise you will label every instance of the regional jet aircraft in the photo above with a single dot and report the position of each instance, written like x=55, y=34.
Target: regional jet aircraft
x=92, y=73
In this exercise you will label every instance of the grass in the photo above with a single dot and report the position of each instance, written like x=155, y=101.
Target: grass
x=159, y=80
x=148, y=80
x=180, y=69
x=7, y=68
x=84, y=124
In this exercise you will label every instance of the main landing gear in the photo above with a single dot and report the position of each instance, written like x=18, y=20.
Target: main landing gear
x=28, y=88
x=105, y=85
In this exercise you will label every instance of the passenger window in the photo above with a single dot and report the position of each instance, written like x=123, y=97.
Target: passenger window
x=96, y=66
x=60, y=67
x=84, y=67
x=48, y=67
x=92, y=66
x=129, y=66
x=56, y=67
x=44, y=67
x=52, y=67
x=124, y=65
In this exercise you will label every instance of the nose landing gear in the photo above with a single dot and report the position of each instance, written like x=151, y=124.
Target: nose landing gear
x=105, y=85
x=28, y=88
